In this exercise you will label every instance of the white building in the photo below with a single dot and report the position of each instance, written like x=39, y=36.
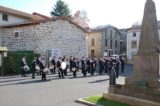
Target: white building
x=10, y=16
x=133, y=36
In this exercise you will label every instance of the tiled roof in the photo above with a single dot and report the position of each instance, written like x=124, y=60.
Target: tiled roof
x=20, y=13
x=49, y=19
x=41, y=15
x=104, y=28
x=35, y=18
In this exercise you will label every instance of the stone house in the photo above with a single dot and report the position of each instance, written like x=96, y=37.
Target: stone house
x=133, y=37
x=55, y=36
x=106, y=39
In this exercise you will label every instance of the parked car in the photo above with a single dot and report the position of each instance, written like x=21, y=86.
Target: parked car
x=115, y=56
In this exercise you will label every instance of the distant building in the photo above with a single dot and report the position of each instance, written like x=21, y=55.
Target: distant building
x=104, y=40
x=133, y=37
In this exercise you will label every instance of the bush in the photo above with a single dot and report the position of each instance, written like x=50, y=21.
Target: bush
x=11, y=64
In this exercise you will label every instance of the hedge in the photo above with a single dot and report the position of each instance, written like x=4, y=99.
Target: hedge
x=11, y=65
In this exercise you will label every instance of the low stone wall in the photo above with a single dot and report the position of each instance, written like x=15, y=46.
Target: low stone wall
x=136, y=91
x=132, y=101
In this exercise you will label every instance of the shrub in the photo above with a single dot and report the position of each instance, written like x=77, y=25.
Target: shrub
x=11, y=65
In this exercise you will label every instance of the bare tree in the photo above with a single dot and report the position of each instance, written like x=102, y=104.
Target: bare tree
x=80, y=17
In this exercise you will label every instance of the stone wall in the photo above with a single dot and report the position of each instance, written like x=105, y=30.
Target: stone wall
x=59, y=34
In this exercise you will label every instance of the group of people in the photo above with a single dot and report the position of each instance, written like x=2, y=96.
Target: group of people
x=63, y=65
x=38, y=66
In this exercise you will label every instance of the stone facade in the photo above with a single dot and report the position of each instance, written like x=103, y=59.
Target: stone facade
x=54, y=34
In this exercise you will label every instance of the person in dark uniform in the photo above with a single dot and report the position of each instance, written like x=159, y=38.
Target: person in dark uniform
x=83, y=67
x=71, y=62
x=88, y=65
x=53, y=62
x=110, y=64
x=101, y=66
x=42, y=66
x=116, y=66
x=106, y=65
x=122, y=65
x=77, y=63
x=93, y=67
x=74, y=67
x=34, y=67
x=60, y=72
x=117, y=62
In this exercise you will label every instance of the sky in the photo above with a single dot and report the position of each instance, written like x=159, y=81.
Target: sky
x=119, y=13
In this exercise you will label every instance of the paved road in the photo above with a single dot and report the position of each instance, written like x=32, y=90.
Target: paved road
x=18, y=91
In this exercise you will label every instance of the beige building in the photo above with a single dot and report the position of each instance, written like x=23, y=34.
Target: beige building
x=94, y=44
x=104, y=40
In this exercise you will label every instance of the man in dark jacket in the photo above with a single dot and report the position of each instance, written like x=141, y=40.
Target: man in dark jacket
x=53, y=70
x=42, y=66
x=34, y=67
x=83, y=67
x=122, y=65
x=74, y=67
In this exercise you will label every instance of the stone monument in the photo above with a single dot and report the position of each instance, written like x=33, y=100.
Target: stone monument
x=143, y=87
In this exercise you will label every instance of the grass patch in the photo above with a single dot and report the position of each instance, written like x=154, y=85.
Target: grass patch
x=99, y=99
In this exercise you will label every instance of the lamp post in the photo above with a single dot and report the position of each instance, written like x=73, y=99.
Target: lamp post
x=3, y=53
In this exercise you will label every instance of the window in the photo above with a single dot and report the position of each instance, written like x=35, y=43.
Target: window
x=116, y=44
x=116, y=52
x=16, y=34
x=115, y=34
x=4, y=17
x=92, y=53
x=105, y=33
x=105, y=42
x=134, y=34
x=110, y=34
x=134, y=44
x=93, y=42
x=111, y=44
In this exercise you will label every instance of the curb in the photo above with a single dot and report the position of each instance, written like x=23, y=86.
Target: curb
x=81, y=101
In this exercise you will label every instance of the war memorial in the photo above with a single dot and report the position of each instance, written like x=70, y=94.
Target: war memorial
x=143, y=87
